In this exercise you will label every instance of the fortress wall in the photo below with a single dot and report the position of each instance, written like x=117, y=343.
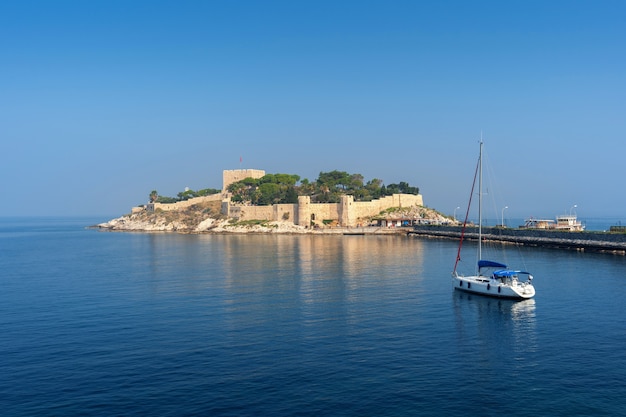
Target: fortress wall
x=324, y=211
x=183, y=204
x=285, y=212
x=347, y=212
x=308, y=212
x=362, y=209
x=243, y=213
x=230, y=176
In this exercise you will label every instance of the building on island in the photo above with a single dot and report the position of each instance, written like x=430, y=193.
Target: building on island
x=347, y=212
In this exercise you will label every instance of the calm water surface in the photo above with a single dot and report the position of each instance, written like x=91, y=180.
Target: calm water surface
x=99, y=323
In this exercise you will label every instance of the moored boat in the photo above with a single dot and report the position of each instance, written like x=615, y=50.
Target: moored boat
x=492, y=278
x=564, y=223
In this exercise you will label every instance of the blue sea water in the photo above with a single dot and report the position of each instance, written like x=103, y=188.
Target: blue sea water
x=104, y=323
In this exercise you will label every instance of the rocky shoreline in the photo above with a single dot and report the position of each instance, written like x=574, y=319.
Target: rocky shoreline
x=224, y=227
x=199, y=221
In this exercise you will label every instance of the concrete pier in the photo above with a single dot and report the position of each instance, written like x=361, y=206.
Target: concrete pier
x=581, y=241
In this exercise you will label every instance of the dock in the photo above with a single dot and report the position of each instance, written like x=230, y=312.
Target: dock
x=580, y=241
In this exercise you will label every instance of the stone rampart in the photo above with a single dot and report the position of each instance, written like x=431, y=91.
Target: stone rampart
x=180, y=205
x=371, y=208
x=345, y=213
x=242, y=212
x=318, y=212
x=348, y=212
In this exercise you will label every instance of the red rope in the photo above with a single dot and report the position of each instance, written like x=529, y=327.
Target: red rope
x=458, y=254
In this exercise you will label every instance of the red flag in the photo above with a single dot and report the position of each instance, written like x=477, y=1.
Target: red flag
x=240, y=159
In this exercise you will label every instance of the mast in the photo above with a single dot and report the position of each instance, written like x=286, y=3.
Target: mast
x=480, y=201
x=467, y=212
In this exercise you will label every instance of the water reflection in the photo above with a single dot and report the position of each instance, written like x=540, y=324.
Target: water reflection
x=496, y=331
x=315, y=261
x=318, y=277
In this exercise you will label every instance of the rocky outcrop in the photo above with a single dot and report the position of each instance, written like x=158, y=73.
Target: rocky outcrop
x=184, y=223
x=205, y=218
x=415, y=213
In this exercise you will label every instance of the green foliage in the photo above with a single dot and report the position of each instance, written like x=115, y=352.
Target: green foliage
x=207, y=191
x=166, y=200
x=291, y=195
x=239, y=191
x=249, y=223
x=182, y=196
x=267, y=190
x=284, y=189
x=328, y=188
x=334, y=180
x=187, y=194
x=269, y=193
x=402, y=188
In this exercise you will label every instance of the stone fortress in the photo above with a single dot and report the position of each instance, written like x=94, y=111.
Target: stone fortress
x=346, y=213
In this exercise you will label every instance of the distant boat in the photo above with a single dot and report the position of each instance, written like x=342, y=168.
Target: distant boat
x=564, y=222
x=569, y=222
x=492, y=278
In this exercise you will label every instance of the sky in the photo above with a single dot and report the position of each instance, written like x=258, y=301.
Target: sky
x=102, y=102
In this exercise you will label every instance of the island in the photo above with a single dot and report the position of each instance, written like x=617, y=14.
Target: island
x=252, y=201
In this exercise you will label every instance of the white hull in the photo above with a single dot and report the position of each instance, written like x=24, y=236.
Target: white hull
x=494, y=287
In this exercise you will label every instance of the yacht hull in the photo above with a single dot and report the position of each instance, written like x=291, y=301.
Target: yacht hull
x=494, y=288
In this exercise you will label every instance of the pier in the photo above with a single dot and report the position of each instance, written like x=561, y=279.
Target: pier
x=580, y=241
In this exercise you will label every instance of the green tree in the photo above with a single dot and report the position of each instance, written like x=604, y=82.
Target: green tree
x=207, y=191
x=355, y=182
x=286, y=179
x=373, y=187
x=334, y=179
x=269, y=194
x=291, y=196
x=239, y=191
x=306, y=188
x=166, y=200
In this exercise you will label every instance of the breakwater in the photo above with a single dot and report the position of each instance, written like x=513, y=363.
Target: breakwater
x=581, y=241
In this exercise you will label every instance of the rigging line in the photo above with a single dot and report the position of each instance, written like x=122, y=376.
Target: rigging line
x=458, y=253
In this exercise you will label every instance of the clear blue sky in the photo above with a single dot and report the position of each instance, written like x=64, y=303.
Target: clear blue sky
x=103, y=101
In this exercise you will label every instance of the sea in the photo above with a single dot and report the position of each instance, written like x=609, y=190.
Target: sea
x=96, y=323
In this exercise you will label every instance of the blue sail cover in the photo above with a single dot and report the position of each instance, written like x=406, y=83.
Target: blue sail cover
x=508, y=273
x=490, y=264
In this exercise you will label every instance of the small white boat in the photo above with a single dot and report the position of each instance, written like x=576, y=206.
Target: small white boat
x=492, y=278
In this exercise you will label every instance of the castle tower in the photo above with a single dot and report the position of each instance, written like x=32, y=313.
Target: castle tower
x=346, y=214
x=304, y=211
x=230, y=176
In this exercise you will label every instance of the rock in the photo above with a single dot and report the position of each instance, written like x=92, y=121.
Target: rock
x=199, y=221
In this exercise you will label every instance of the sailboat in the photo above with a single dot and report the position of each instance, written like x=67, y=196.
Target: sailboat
x=492, y=278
